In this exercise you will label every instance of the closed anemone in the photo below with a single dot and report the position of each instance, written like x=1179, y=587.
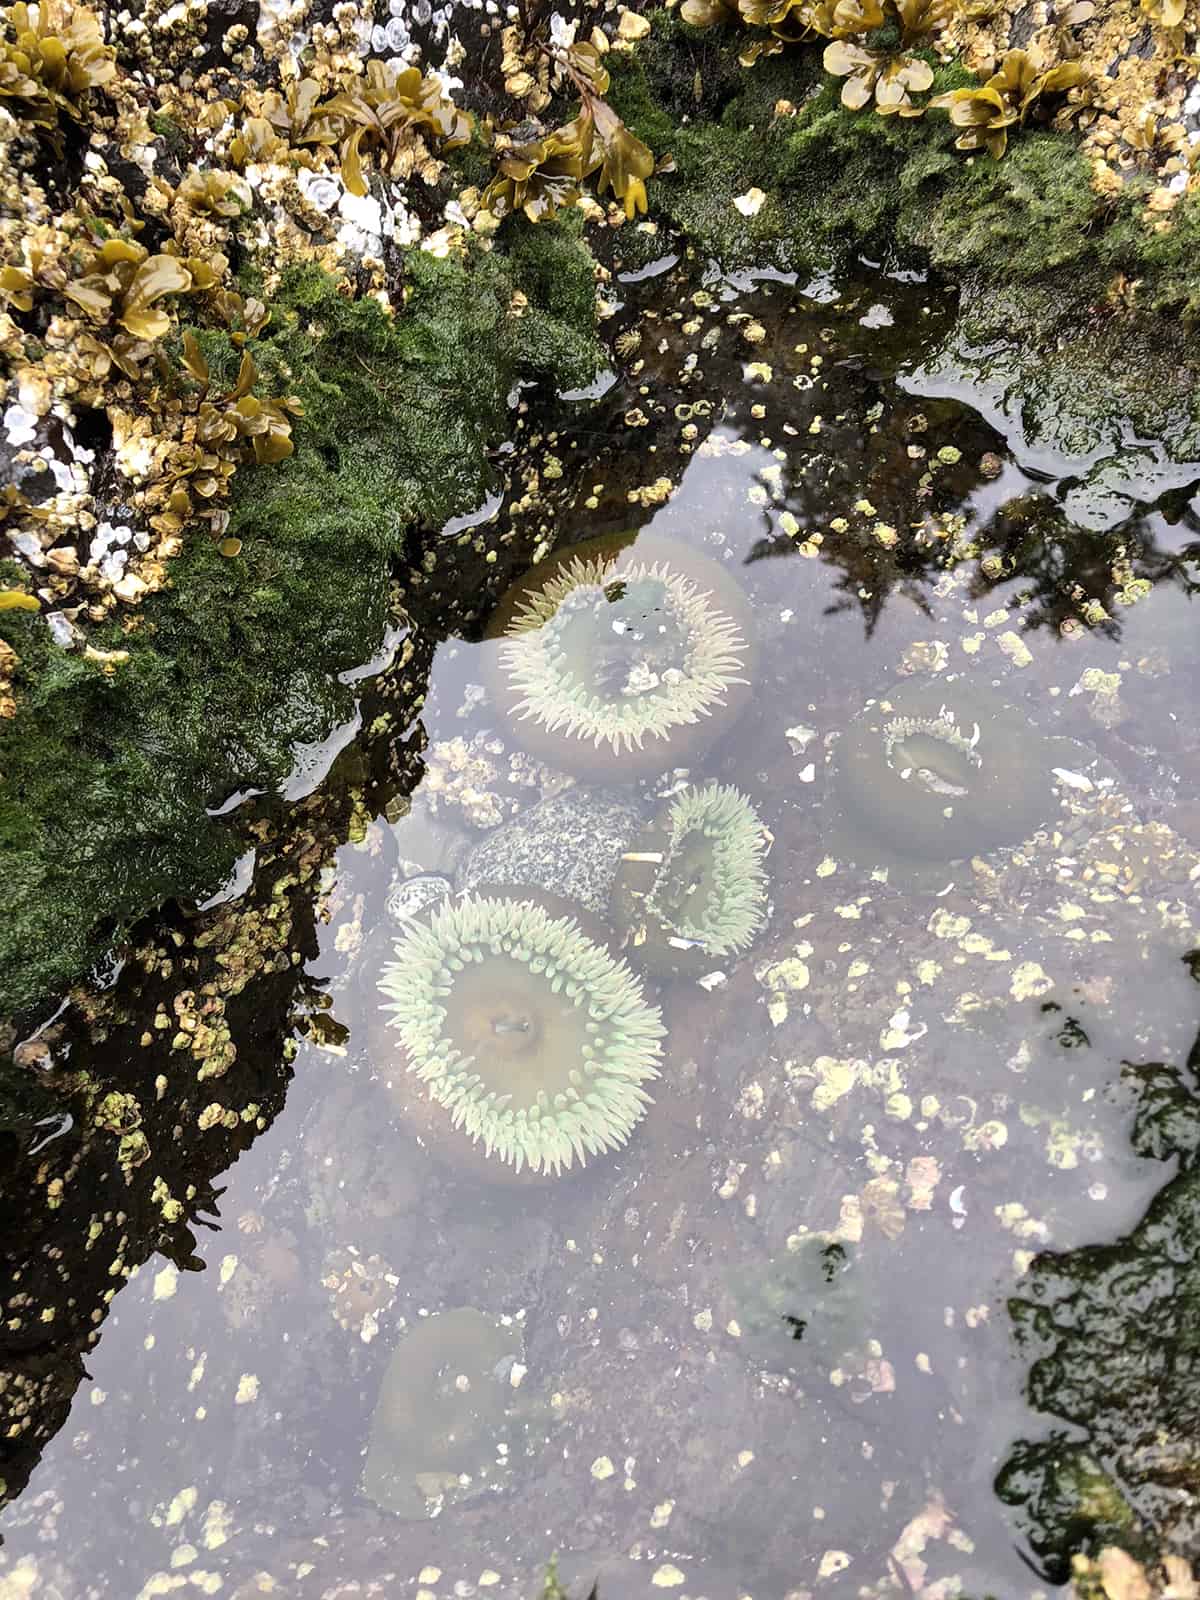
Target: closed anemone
x=528, y=1041
x=635, y=652
x=692, y=888
x=939, y=771
x=444, y=1405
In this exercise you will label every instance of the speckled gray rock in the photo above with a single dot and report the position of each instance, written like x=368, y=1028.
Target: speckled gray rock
x=568, y=846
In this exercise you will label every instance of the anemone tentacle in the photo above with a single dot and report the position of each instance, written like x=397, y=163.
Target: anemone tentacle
x=590, y=1100
x=727, y=917
x=649, y=704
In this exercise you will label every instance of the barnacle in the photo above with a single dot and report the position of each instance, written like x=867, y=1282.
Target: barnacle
x=389, y=112
x=606, y=649
x=691, y=889
x=986, y=113
x=523, y=1034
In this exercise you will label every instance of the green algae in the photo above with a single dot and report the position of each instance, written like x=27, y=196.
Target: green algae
x=838, y=183
x=107, y=775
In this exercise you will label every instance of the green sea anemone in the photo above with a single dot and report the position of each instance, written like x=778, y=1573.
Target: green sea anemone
x=569, y=846
x=692, y=889
x=445, y=1404
x=525, y=1036
x=618, y=660
x=939, y=771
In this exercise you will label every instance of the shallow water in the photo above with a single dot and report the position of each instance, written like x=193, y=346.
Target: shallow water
x=765, y=1347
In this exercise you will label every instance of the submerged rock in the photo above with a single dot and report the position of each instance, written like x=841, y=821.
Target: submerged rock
x=569, y=846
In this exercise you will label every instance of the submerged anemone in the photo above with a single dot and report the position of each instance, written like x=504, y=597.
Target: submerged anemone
x=939, y=771
x=525, y=1036
x=443, y=1411
x=692, y=888
x=607, y=650
x=569, y=846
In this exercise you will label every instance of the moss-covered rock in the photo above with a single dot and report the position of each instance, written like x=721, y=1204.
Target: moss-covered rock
x=110, y=768
x=1080, y=302
x=840, y=182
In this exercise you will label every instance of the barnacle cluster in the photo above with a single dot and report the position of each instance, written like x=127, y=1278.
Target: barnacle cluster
x=361, y=1288
x=604, y=650
x=115, y=305
x=692, y=887
x=54, y=55
x=523, y=1034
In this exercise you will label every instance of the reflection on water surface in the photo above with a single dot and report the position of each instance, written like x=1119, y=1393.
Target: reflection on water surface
x=904, y=914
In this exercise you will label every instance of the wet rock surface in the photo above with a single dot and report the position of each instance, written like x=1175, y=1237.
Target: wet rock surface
x=766, y=1344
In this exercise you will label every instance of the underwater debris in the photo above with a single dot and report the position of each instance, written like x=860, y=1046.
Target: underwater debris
x=610, y=648
x=524, y=1036
x=692, y=887
x=361, y=1289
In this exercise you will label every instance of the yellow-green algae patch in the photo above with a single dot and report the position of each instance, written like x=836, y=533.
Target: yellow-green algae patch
x=444, y=1407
